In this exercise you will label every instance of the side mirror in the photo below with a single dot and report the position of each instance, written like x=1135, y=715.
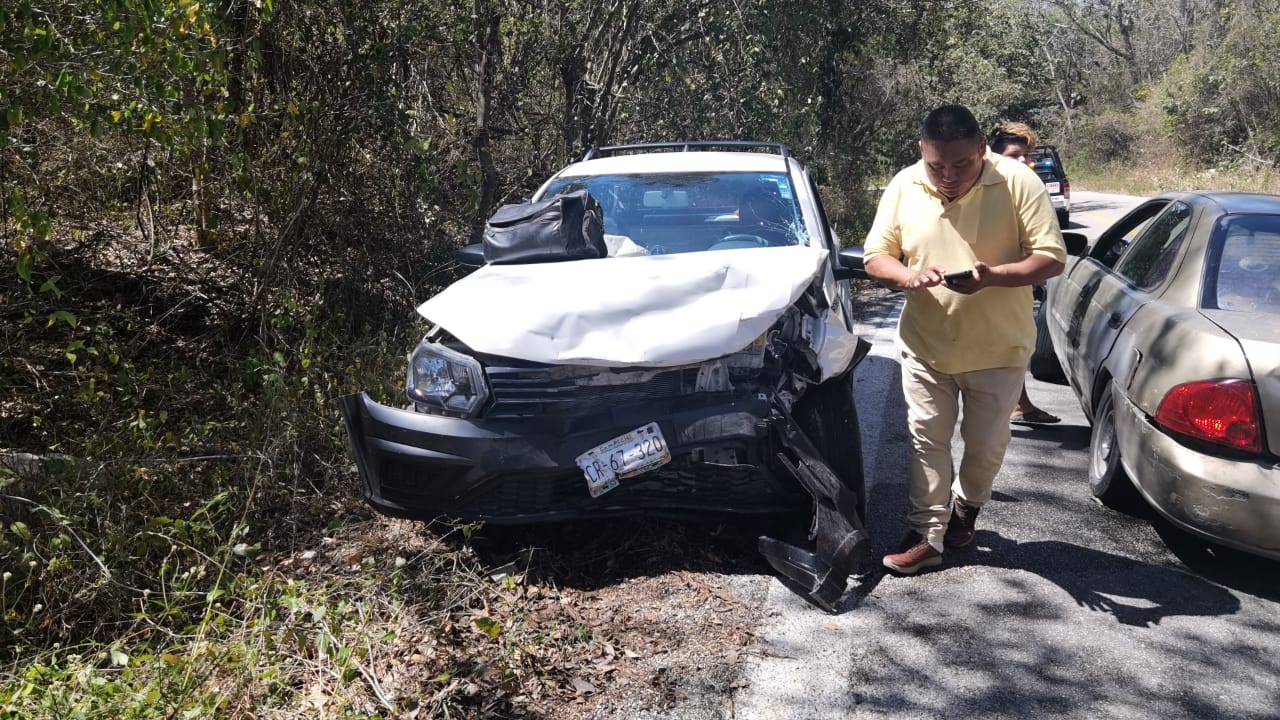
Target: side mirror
x=472, y=256
x=1077, y=243
x=850, y=264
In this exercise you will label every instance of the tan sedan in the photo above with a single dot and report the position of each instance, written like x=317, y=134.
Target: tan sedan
x=1168, y=330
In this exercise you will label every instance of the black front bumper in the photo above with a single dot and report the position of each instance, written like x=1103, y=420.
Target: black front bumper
x=519, y=470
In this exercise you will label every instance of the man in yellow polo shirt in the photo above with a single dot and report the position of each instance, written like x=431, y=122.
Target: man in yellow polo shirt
x=961, y=208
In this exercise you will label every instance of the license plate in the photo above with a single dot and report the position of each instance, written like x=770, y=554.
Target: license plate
x=1053, y=188
x=627, y=455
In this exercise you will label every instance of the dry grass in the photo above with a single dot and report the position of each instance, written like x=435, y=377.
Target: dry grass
x=1157, y=174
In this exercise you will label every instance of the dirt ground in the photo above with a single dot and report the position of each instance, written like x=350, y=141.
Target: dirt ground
x=626, y=618
x=677, y=601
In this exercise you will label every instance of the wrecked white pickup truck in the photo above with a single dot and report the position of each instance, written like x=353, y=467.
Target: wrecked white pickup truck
x=664, y=328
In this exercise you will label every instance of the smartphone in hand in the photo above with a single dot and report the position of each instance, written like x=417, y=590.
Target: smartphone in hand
x=956, y=277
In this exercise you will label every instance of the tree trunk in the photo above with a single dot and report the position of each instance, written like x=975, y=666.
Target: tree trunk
x=489, y=46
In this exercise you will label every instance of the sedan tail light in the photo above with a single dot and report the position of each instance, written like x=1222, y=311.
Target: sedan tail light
x=1223, y=412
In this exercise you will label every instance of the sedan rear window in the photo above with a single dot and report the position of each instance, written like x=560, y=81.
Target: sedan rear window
x=1243, y=272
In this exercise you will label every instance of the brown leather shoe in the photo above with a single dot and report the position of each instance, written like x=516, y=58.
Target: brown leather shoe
x=920, y=555
x=960, y=527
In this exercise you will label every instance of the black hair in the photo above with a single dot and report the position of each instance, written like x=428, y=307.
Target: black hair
x=949, y=123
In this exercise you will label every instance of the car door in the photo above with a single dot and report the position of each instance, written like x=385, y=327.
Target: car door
x=1115, y=281
x=1069, y=294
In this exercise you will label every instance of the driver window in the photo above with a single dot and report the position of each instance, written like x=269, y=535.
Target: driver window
x=1147, y=262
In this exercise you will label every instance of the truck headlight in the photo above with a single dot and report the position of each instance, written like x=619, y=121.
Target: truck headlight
x=445, y=381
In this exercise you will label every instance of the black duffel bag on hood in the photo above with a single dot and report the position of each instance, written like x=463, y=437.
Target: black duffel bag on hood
x=565, y=227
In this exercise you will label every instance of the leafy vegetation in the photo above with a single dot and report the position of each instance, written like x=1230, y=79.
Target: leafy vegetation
x=218, y=217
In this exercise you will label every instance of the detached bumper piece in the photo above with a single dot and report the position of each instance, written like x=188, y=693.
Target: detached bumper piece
x=838, y=536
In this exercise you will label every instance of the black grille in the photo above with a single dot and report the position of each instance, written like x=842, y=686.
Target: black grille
x=542, y=391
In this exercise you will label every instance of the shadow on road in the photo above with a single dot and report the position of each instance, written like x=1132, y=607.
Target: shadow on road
x=1068, y=436
x=1237, y=570
x=1137, y=593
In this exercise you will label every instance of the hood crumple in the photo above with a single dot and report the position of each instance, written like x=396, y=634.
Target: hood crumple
x=655, y=310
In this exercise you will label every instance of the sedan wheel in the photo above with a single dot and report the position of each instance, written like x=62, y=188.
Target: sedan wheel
x=1107, y=480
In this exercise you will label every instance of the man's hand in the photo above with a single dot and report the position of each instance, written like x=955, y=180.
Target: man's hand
x=892, y=273
x=929, y=277
x=971, y=283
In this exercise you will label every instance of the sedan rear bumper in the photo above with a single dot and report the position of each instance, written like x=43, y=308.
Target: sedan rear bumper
x=1232, y=502
x=425, y=466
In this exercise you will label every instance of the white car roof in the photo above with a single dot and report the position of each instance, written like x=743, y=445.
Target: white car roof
x=665, y=162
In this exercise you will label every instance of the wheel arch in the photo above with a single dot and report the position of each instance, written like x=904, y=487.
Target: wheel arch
x=1101, y=384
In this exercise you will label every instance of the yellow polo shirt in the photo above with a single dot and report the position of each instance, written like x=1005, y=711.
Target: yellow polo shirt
x=1005, y=217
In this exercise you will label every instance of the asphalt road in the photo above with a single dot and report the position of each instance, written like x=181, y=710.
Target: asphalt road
x=1060, y=608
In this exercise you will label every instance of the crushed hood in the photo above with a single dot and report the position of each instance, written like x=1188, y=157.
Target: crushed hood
x=656, y=310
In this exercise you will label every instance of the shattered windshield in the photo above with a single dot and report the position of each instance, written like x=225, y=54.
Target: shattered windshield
x=691, y=212
x=1244, y=272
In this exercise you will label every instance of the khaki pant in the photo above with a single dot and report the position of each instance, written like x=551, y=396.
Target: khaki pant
x=933, y=406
